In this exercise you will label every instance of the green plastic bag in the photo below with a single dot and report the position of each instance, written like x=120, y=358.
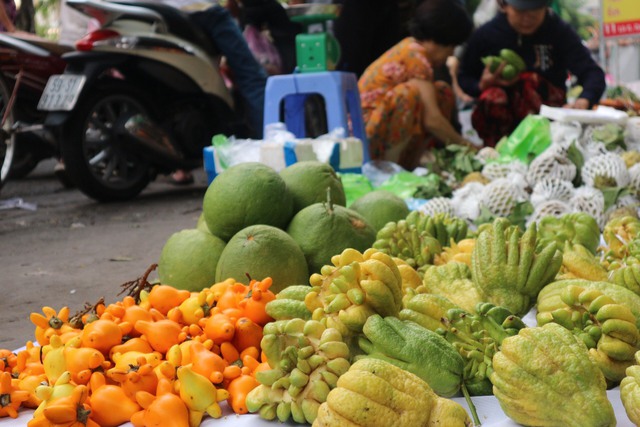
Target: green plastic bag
x=404, y=184
x=355, y=185
x=528, y=140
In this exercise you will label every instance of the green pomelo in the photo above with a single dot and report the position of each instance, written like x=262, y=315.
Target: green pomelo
x=202, y=224
x=323, y=230
x=380, y=207
x=189, y=258
x=261, y=251
x=308, y=182
x=243, y=195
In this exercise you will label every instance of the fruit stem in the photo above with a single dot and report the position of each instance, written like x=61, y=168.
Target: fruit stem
x=472, y=407
x=329, y=203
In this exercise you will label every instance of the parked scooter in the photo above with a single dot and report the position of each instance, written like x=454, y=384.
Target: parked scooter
x=26, y=63
x=141, y=96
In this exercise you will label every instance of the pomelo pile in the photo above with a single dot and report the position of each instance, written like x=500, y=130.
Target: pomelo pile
x=259, y=223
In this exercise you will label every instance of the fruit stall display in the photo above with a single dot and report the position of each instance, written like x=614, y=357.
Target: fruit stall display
x=284, y=305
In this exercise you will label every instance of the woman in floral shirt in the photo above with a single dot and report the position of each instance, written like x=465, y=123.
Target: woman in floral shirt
x=405, y=111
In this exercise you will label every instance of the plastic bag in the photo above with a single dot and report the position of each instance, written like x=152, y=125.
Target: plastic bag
x=263, y=50
x=355, y=185
x=403, y=184
x=530, y=138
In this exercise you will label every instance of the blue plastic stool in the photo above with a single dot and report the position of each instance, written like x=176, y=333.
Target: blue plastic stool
x=339, y=90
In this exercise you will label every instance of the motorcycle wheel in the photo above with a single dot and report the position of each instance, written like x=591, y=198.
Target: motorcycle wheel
x=7, y=137
x=95, y=155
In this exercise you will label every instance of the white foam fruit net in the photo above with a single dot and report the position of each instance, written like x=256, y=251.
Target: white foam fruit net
x=608, y=166
x=495, y=170
x=437, y=205
x=555, y=208
x=487, y=153
x=500, y=196
x=551, y=189
x=634, y=177
x=589, y=200
x=466, y=200
x=552, y=163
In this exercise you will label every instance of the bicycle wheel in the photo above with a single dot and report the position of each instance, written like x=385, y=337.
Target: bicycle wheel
x=7, y=136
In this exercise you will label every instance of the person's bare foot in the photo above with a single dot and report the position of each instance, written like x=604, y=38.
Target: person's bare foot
x=181, y=177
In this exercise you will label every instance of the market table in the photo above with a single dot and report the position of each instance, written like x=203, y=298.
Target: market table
x=489, y=412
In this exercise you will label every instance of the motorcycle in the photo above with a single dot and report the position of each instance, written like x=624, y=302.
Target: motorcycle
x=26, y=63
x=140, y=96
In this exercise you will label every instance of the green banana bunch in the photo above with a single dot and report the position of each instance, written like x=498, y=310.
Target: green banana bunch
x=579, y=262
x=608, y=329
x=618, y=233
x=200, y=395
x=544, y=376
x=289, y=303
x=452, y=281
x=630, y=391
x=403, y=239
x=355, y=287
x=508, y=270
x=415, y=349
x=442, y=226
x=375, y=392
x=576, y=227
x=627, y=276
x=306, y=360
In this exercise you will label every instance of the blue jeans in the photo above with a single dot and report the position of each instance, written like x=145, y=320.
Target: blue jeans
x=250, y=78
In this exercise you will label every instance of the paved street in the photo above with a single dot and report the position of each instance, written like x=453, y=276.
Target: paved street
x=72, y=250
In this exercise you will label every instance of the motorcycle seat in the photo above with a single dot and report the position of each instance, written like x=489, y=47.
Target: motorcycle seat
x=179, y=24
